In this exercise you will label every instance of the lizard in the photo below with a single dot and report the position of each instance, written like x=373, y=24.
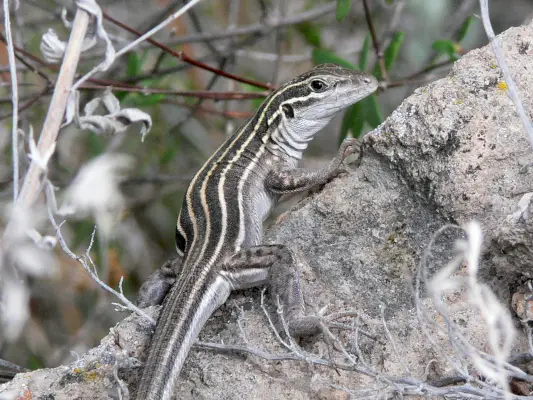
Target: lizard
x=219, y=228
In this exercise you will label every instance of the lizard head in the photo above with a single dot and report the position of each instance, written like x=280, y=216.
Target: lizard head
x=324, y=91
x=303, y=106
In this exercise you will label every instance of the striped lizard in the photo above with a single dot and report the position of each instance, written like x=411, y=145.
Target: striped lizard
x=219, y=228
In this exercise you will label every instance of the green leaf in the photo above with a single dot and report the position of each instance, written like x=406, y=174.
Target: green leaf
x=390, y=54
x=346, y=122
x=363, y=55
x=372, y=111
x=133, y=67
x=139, y=99
x=392, y=50
x=310, y=33
x=343, y=8
x=168, y=155
x=35, y=362
x=463, y=30
x=444, y=47
x=353, y=121
x=355, y=117
x=323, y=56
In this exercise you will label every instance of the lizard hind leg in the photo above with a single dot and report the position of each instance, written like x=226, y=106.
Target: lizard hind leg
x=279, y=266
x=155, y=288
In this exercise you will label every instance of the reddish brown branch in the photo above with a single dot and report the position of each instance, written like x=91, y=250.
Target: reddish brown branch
x=201, y=94
x=185, y=58
x=209, y=110
x=31, y=101
x=126, y=87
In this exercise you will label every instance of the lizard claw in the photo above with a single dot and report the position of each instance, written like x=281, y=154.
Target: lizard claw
x=350, y=146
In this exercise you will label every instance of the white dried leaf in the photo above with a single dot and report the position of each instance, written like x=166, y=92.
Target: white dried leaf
x=96, y=29
x=24, y=252
x=25, y=245
x=112, y=124
x=95, y=190
x=15, y=312
x=116, y=120
x=110, y=101
x=33, y=261
x=23, y=220
x=43, y=242
x=92, y=105
x=52, y=47
x=66, y=22
x=71, y=110
x=130, y=116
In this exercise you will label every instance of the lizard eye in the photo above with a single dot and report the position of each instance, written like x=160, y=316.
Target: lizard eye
x=318, y=86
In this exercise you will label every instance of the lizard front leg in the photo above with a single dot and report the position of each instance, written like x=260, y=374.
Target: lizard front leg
x=300, y=179
x=155, y=288
x=279, y=266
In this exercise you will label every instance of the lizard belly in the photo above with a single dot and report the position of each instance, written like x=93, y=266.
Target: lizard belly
x=261, y=204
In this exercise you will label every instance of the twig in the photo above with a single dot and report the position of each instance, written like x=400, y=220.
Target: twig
x=279, y=36
x=314, y=13
x=24, y=62
x=500, y=59
x=209, y=110
x=14, y=100
x=31, y=101
x=185, y=58
x=140, y=39
x=309, y=15
x=53, y=67
x=494, y=368
x=121, y=385
x=185, y=93
x=13, y=367
x=375, y=42
x=88, y=265
x=391, y=339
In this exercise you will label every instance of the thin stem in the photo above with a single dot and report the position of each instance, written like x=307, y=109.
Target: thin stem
x=202, y=94
x=252, y=29
x=31, y=101
x=185, y=58
x=14, y=100
x=140, y=39
x=500, y=59
x=24, y=62
x=375, y=42
x=88, y=265
x=209, y=110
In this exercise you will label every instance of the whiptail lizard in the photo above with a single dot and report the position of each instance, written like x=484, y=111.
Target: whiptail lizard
x=219, y=229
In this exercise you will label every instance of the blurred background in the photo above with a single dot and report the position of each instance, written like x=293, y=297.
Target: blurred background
x=267, y=42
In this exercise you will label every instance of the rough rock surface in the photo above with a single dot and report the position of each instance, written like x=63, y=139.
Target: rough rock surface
x=452, y=152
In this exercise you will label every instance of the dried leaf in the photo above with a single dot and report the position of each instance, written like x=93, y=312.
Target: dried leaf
x=116, y=120
x=14, y=308
x=95, y=190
